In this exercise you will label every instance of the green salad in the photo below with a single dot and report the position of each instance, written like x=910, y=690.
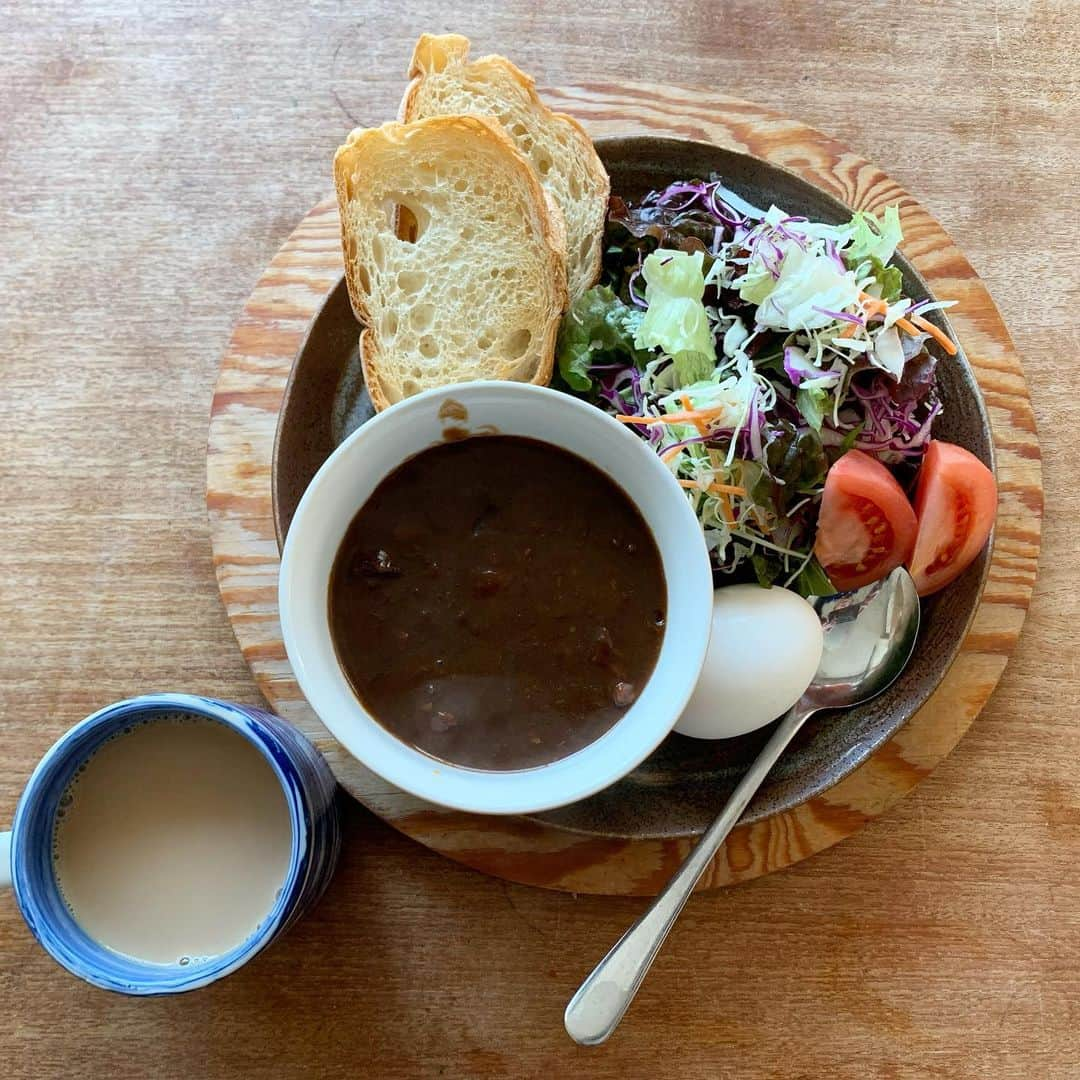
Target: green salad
x=753, y=349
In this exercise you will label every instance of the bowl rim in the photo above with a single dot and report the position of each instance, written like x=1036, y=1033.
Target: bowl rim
x=566, y=780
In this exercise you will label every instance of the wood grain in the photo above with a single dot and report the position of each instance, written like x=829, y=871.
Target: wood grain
x=153, y=158
x=254, y=372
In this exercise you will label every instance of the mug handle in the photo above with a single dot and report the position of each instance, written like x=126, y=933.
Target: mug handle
x=5, y=860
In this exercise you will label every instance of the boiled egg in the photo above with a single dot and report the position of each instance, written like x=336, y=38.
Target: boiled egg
x=764, y=652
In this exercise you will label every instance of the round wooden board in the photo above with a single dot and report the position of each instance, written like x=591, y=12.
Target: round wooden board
x=243, y=420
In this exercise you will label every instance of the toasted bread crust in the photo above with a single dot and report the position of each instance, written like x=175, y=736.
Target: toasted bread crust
x=434, y=51
x=369, y=363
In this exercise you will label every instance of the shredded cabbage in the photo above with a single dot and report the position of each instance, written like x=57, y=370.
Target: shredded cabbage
x=809, y=288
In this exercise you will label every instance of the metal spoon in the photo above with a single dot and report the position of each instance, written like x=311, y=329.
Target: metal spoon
x=869, y=636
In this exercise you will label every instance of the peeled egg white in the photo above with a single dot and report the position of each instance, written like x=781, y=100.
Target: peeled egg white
x=764, y=652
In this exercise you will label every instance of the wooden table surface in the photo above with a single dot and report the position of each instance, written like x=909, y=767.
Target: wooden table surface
x=152, y=159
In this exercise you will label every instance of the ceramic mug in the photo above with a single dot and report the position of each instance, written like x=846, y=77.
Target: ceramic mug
x=26, y=852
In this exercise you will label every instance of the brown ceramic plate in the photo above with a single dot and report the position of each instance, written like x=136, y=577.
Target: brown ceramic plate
x=678, y=790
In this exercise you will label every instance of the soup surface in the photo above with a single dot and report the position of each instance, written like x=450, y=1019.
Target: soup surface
x=497, y=602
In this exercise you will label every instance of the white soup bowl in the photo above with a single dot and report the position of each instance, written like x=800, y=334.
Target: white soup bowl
x=346, y=481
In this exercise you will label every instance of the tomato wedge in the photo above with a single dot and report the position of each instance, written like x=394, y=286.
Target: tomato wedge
x=866, y=526
x=955, y=501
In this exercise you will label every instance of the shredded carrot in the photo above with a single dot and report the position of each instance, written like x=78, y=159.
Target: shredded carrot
x=690, y=417
x=688, y=405
x=716, y=489
x=878, y=307
x=722, y=491
x=939, y=336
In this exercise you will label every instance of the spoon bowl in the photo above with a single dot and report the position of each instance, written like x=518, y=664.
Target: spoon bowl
x=869, y=635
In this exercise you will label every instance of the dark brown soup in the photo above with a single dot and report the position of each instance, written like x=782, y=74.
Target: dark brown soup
x=497, y=603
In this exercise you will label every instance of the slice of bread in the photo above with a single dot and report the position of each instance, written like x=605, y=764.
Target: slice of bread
x=445, y=82
x=454, y=256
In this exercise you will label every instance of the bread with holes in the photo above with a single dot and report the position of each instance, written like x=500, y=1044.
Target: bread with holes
x=454, y=256
x=445, y=82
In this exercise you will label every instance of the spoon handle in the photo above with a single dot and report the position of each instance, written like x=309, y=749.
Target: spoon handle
x=596, y=1009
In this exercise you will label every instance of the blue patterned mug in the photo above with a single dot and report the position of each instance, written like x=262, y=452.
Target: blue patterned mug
x=305, y=781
